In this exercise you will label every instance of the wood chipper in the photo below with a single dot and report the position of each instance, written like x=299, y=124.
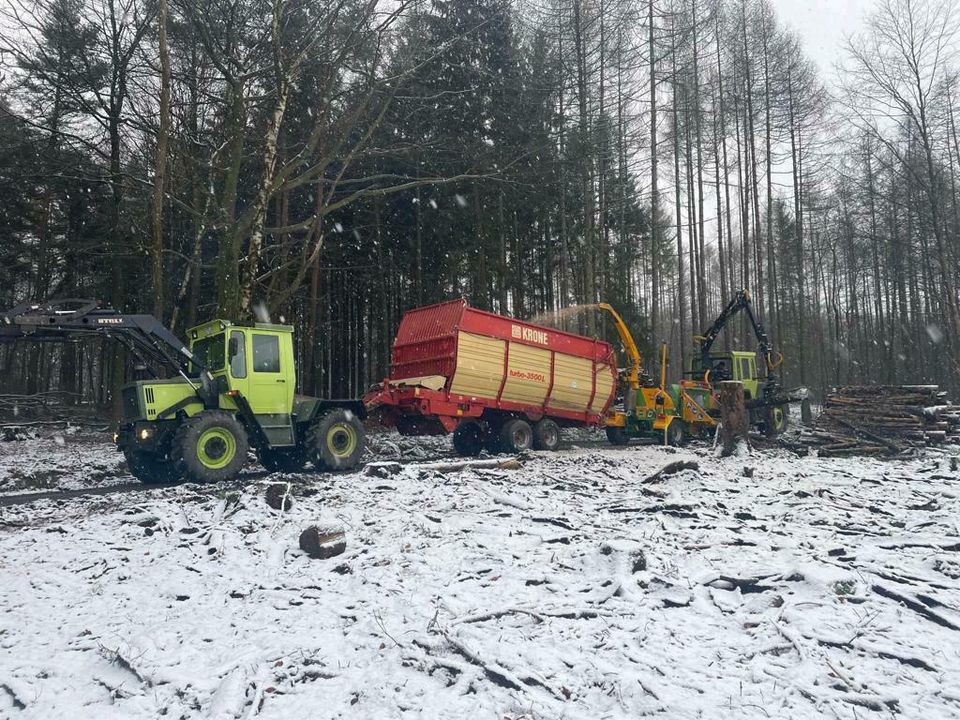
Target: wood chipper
x=669, y=414
x=691, y=407
x=492, y=381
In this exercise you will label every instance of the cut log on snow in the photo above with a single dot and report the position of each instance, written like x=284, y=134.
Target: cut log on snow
x=734, y=424
x=323, y=542
x=671, y=469
x=511, y=463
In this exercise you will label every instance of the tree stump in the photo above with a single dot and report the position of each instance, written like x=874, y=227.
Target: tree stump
x=734, y=421
x=278, y=496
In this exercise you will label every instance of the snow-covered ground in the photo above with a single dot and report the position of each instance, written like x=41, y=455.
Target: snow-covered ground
x=569, y=588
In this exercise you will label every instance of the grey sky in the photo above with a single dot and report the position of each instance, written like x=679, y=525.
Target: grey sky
x=822, y=24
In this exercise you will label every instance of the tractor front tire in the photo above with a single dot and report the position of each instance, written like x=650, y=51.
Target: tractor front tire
x=617, y=436
x=150, y=468
x=210, y=447
x=282, y=460
x=516, y=436
x=546, y=435
x=468, y=438
x=335, y=441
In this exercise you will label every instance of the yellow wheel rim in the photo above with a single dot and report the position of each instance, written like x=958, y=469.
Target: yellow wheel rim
x=342, y=439
x=216, y=448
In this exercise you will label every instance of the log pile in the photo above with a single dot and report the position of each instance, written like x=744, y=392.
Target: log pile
x=883, y=420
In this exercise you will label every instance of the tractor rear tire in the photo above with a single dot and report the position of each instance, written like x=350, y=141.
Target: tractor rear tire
x=676, y=433
x=210, y=447
x=282, y=460
x=546, y=435
x=516, y=436
x=335, y=441
x=618, y=436
x=150, y=468
x=468, y=438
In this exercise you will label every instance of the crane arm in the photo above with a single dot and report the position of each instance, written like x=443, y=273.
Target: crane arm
x=740, y=301
x=629, y=345
x=63, y=320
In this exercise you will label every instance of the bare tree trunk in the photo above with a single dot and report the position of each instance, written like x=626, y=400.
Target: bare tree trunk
x=160, y=166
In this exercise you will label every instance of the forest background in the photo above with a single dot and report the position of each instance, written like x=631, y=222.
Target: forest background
x=332, y=164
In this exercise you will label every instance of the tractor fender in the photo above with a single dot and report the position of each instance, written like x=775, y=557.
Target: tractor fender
x=308, y=409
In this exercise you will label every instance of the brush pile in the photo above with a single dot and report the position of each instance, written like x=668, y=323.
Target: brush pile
x=883, y=420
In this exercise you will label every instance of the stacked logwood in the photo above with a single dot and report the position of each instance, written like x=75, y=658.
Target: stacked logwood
x=883, y=420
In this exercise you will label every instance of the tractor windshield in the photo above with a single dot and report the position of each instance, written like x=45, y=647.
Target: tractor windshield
x=210, y=352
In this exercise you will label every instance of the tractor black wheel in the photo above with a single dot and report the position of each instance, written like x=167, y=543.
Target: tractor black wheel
x=468, y=438
x=546, y=435
x=617, y=436
x=775, y=421
x=282, y=460
x=676, y=433
x=150, y=468
x=516, y=436
x=211, y=446
x=335, y=441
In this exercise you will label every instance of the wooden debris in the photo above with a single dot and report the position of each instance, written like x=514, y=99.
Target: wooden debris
x=511, y=463
x=278, y=496
x=671, y=469
x=382, y=469
x=323, y=542
x=883, y=420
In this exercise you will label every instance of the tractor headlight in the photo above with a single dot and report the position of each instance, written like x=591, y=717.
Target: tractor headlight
x=116, y=438
x=145, y=433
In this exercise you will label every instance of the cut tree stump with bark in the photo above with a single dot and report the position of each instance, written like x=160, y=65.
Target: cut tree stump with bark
x=323, y=542
x=734, y=421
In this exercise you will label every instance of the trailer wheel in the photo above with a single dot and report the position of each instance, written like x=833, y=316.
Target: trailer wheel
x=210, y=447
x=282, y=460
x=335, y=441
x=150, y=468
x=468, y=438
x=676, y=433
x=617, y=436
x=516, y=436
x=546, y=435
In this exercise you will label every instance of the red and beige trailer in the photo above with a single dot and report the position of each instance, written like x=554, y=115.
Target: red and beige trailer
x=492, y=381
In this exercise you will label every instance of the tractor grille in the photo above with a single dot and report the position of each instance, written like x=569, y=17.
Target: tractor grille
x=149, y=395
x=131, y=408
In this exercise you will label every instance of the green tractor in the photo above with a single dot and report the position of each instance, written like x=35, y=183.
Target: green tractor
x=231, y=389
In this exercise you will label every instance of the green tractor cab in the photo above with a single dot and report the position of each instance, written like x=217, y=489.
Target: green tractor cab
x=234, y=389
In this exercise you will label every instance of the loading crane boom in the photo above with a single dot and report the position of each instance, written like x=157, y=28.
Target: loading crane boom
x=143, y=335
x=742, y=302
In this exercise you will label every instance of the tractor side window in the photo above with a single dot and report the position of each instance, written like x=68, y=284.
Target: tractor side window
x=238, y=355
x=745, y=373
x=266, y=353
x=209, y=352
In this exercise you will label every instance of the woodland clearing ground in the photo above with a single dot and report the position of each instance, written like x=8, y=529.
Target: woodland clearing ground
x=815, y=587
